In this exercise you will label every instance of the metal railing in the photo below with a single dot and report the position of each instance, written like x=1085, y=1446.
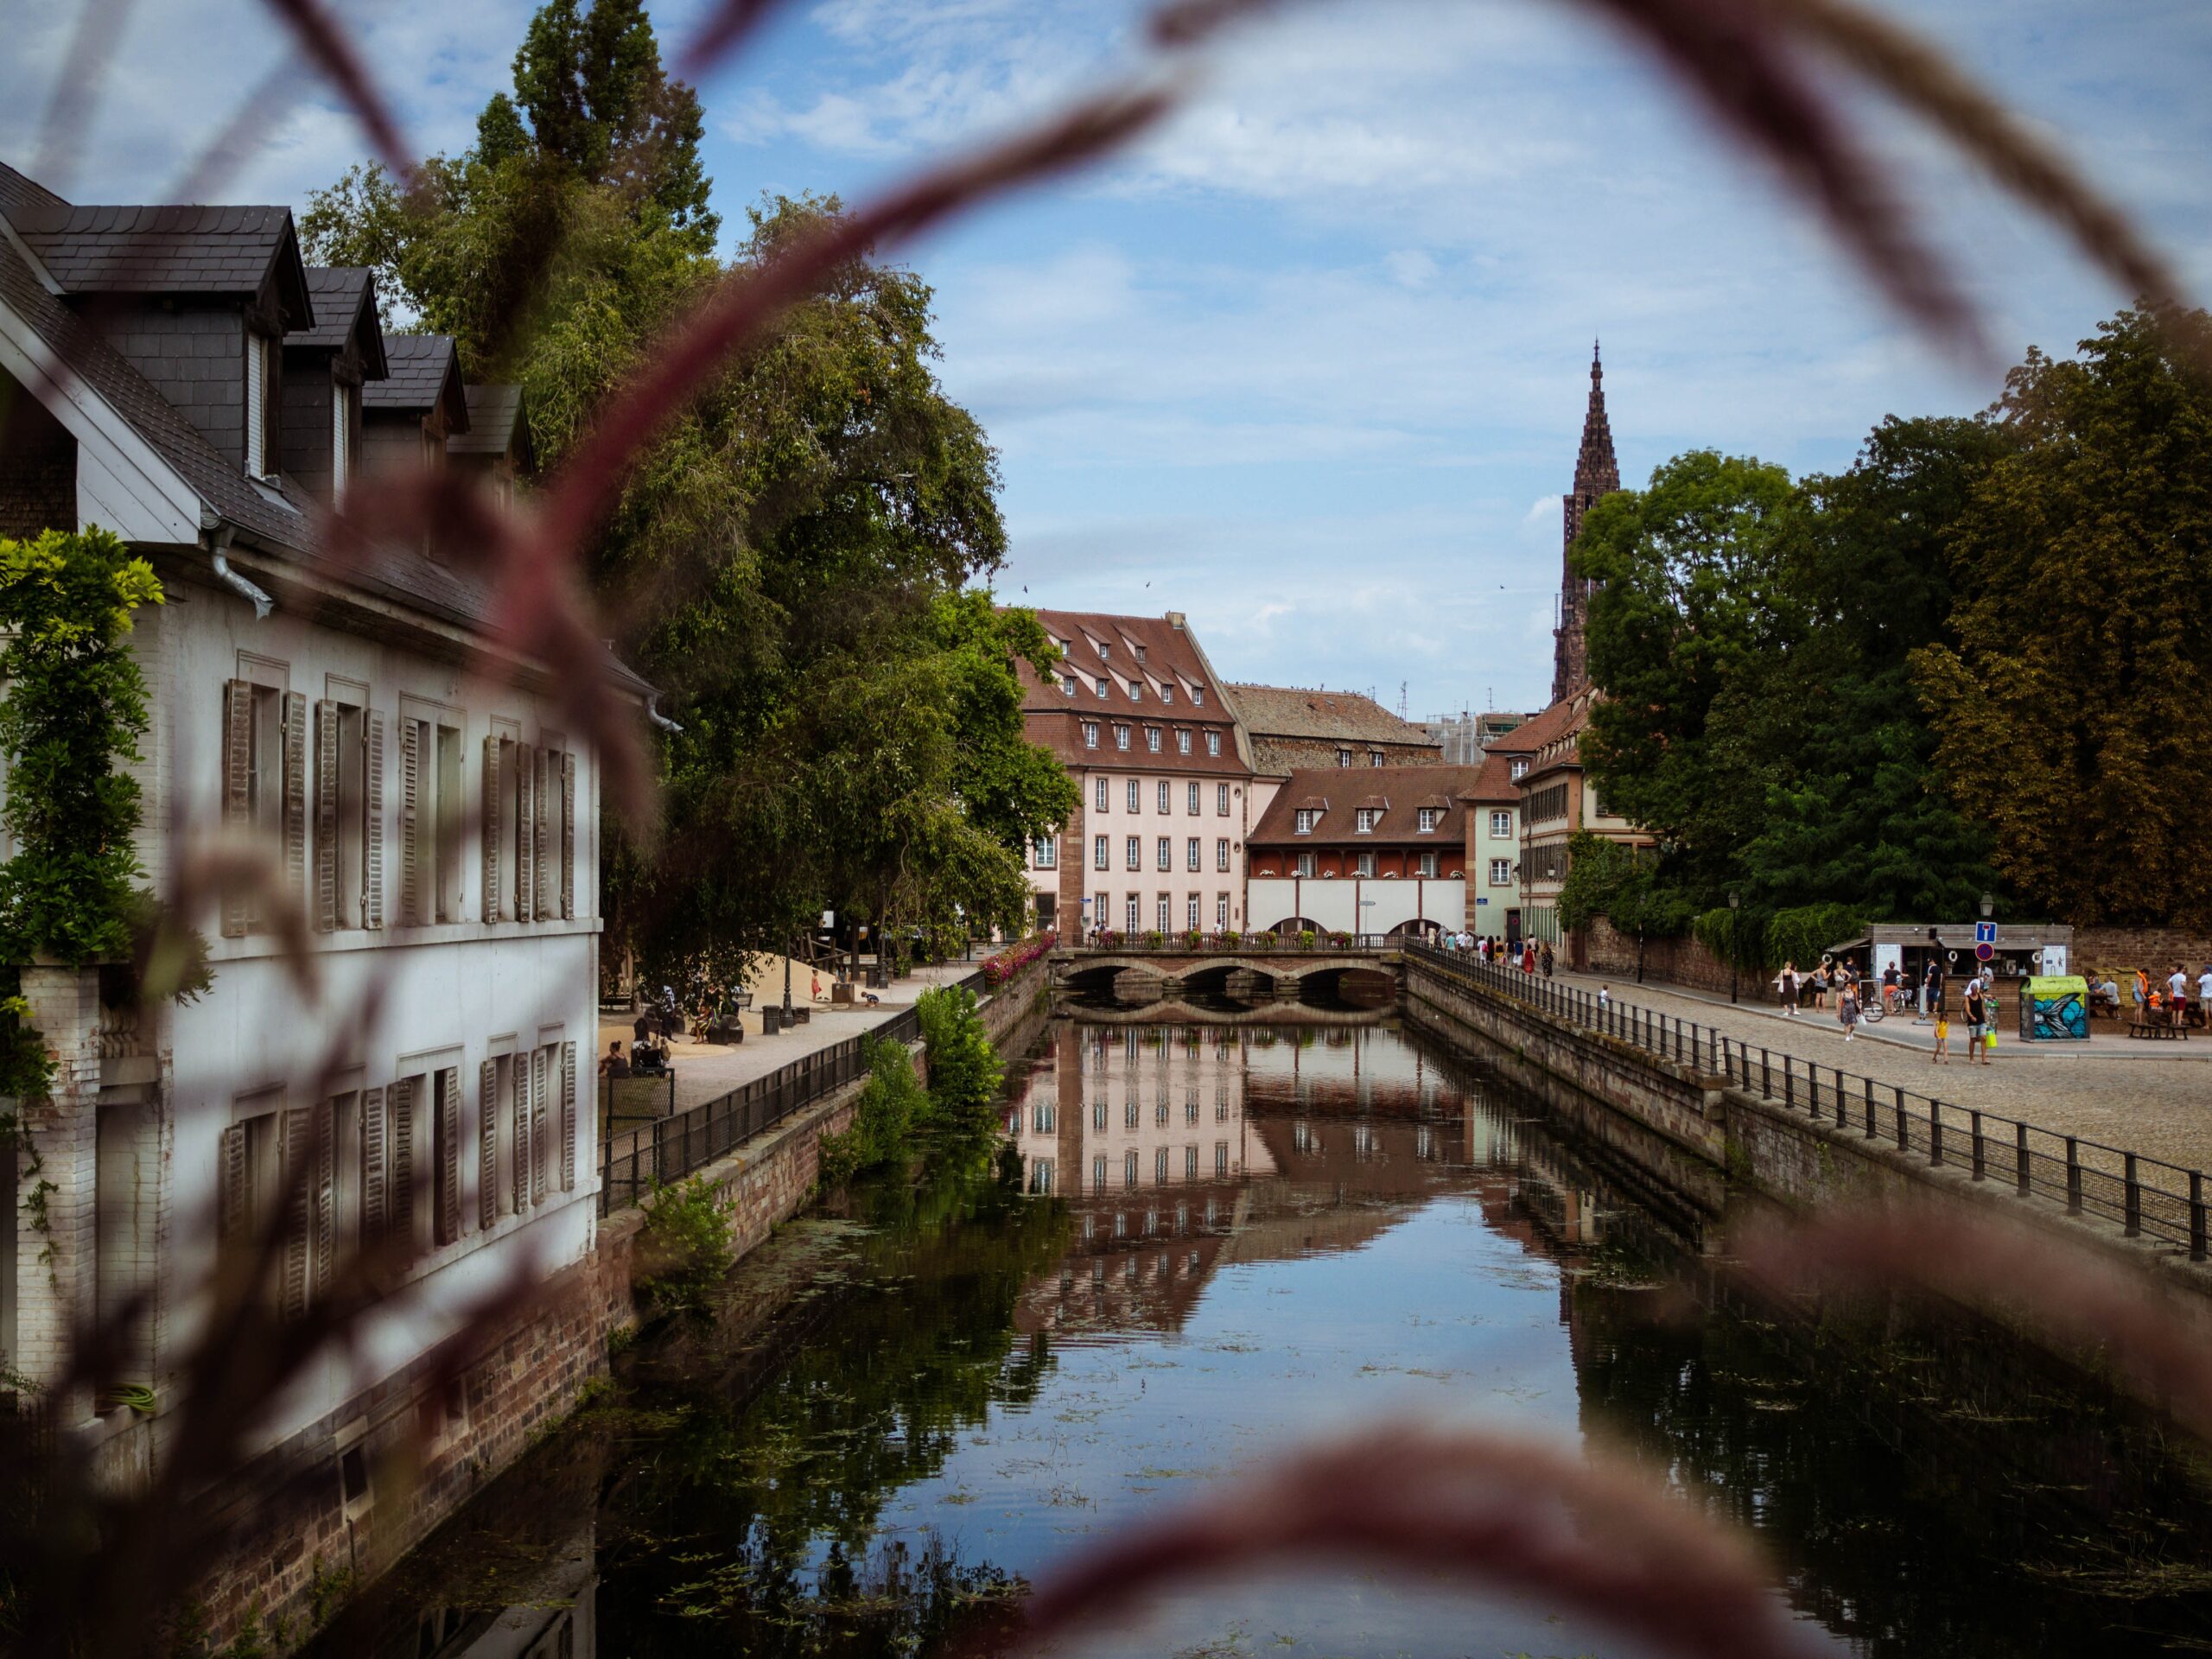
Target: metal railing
x=2146, y=1197
x=1181, y=943
x=668, y=1148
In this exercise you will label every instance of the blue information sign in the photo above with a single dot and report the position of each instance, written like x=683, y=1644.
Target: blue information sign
x=1985, y=932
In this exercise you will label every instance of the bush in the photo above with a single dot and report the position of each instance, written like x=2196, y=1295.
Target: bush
x=884, y=1118
x=684, y=1245
x=1306, y=939
x=1011, y=961
x=964, y=1070
x=1801, y=935
x=1735, y=936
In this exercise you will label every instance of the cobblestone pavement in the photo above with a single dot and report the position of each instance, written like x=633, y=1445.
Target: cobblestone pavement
x=2153, y=1099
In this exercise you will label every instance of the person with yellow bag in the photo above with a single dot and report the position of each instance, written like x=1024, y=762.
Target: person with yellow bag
x=1977, y=1020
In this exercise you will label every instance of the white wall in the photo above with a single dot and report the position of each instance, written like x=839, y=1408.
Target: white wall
x=1357, y=905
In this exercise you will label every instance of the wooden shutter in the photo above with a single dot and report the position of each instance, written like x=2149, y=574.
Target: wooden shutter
x=297, y=1162
x=295, y=794
x=237, y=798
x=233, y=1201
x=520, y=1065
x=410, y=833
x=538, y=1146
x=490, y=816
x=402, y=1152
x=568, y=1118
x=488, y=1145
x=325, y=1197
x=569, y=840
x=373, y=814
x=526, y=833
x=375, y=1206
x=450, y=1153
x=326, y=815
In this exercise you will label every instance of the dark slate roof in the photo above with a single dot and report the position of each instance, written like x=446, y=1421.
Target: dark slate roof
x=345, y=300
x=18, y=192
x=134, y=250
x=421, y=372
x=495, y=420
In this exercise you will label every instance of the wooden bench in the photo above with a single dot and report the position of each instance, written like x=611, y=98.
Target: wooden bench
x=2162, y=1026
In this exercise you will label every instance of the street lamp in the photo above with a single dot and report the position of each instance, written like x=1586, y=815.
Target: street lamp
x=1988, y=906
x=787, y=986
x=1735, y=904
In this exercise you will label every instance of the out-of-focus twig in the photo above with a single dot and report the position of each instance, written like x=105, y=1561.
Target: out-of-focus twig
x=327, y=42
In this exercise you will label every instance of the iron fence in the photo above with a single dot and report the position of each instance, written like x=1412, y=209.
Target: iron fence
x=2146, y=1197
x=669, y=1148
x=1183, y=943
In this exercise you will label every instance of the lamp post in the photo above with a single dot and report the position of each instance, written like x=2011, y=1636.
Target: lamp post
x=1735, y=904
x=787, y=985
x=1988, y=906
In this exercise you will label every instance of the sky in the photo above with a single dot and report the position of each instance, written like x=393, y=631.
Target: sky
x=1309, y=364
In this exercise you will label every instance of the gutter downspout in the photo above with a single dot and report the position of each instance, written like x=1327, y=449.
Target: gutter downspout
x=654, y=715
x=218, y=550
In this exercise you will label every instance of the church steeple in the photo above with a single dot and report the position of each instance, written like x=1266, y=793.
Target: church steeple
x=1596, y=473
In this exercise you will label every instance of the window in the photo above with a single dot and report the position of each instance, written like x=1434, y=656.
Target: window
x=1159, y=1174
x=1220, y=854
x=430, y=819
x=1501, y=824
x=1151, y=738
x=1136, y=795
x=1089, y=733
x=1221, y=910
x=1165, y=794
x=1048, y=852
x=1501, y=871
x=1221, y=799
x=1221, y=1157
x=1105, y=651
x=444, y=1154
x=1099, y=793
x=1098, y=853
x=263, y=397
x=1425, y=865
x=1163, y=912
x=1520, y=766
x=1191, y=918
x=1136, y=690
x=1303, y=821
x=1067, y=684
x=1167, y=695
x=1134, y=854
x=1129, y=1177
x=1140, y=651
x=1132, y=911
x=1213, y=743
x=1097, y=1175
x=1363, y=864
x=1375, y=757
x=1120, y=737
x=1164, y=854
x=1303, y=865
x=1191, y=857
x=1040, y=1175
x=1192, y=800
x=1428, y=816
x=1344, y=757
x=345, y=401
x=1364, y=819
x=1182, y=740
x=1590, y=807
x=1197, y=695
x=349, y=816
x=1101, y=684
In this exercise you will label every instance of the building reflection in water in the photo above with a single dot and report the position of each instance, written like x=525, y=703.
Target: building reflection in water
x=1178, y=1149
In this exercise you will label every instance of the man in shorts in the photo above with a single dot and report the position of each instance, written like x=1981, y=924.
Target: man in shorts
x=1977, y=1017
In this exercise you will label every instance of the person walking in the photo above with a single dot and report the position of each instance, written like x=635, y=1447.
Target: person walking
x=2177, y=995
x=1931, y=987
x=1847, y=1010
x=1549, y=962
x=1942, y=1054
x=1977, y=1012
x=2204, y=995
x=1785, y=985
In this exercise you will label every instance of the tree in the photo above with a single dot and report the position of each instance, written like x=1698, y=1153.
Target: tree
x=2069, y=711
x=1855, y=811
x=1689, y=604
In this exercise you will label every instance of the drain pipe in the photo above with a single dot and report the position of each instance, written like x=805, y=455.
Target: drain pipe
x=218, y=550
x=658, y=718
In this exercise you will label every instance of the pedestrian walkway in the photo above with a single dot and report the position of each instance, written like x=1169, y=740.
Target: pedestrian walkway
x=2154, y=1098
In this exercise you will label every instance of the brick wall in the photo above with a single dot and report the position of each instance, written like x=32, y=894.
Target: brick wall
x=1601, y=947
x=2155, y=948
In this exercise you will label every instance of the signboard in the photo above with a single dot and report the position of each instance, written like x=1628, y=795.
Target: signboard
x=1480, y=900
x=1887, y=957
x=2054, y=961
x=1985, y=933
x=1983, y=952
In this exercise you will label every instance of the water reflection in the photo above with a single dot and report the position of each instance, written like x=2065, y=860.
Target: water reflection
x=1205, y=1243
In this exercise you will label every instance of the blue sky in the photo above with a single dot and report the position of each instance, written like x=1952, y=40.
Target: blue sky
x=1310, y=365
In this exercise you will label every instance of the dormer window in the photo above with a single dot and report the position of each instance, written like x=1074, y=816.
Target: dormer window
x=1089, y=733
x=1429, y=815
x=1102, y=692
x=1198, y=697
x=1140, y=651
x=1182, y=742
x=1308, y=817
x=1136, y=690
x=1151, y=738
x=1364, y=819
x=1067, y=684
x=1375, y=757
x=263, y=397
x=1520, y=766
x=1344, y=757
x=1168, y=694
x=341, y=435
x=1105, y=651
x=1213, y=743
x=1120, y=737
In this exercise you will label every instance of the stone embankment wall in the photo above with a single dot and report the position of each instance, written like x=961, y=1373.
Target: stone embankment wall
x=1699, y=1142
x=435, y=1434
x=1604, y=948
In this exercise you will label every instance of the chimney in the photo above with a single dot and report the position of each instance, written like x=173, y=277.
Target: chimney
x=1175, y=620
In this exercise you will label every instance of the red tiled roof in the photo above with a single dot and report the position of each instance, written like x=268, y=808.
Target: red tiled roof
x=1399, y=792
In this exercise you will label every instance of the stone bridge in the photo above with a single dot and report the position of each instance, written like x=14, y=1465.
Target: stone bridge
x=1184, y=970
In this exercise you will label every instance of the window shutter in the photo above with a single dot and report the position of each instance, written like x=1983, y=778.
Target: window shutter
x=257, y=393
x=326, y=1198
x=374, y=1192
x=340, y=436
x=568, y=839
x=526, y=833
x=298, y=1167
x=238, y=800
x=521, y=1064
x=488, y=1145
x=538, y=1148
x=411, y=837
x=450, y=1153
x=402, y=1150
x=569, y=1115
x=547, y=843
x=372, y=813
x=296, y=793
x=233, y=1203
x=492, y=829
x=326, y=815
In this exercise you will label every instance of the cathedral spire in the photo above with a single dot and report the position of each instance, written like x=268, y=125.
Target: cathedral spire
x=1597, y=472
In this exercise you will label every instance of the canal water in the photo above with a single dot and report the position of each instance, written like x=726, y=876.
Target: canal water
x=1203, y=1246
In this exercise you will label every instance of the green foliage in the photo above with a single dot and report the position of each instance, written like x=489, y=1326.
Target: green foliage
x=2069, y=700
x=1736, y=936
x=964, y=1070
x=684, y=1245
x=1611, y=879
x=26, y=1067
x=74, y=709
x=1801, y=935
x=891, y=1104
